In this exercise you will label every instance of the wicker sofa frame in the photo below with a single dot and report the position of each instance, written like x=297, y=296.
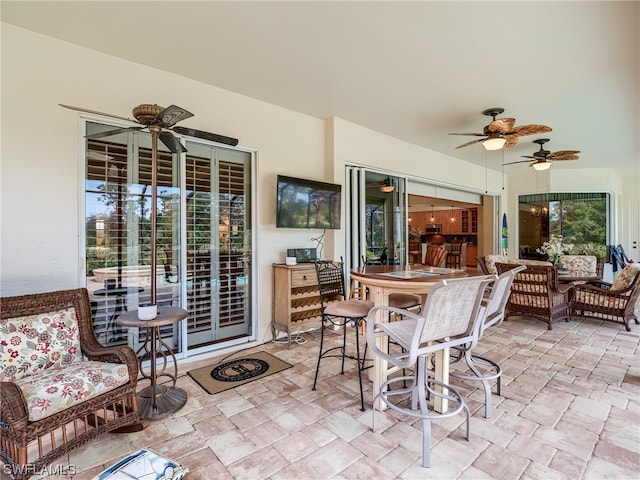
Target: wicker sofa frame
x=596, y=300
x=535, y=293
x=29, y=446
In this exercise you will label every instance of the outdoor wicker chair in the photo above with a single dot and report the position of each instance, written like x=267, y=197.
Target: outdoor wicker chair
x=60, y=387
x=609, y=302
x=535, y=293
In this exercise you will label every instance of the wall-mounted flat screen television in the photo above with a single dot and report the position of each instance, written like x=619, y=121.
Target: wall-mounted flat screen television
x=307, y=204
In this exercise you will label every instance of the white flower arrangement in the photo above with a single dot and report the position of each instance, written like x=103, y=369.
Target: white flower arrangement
x=554, y=248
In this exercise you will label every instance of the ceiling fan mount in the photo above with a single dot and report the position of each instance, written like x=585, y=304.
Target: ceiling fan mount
x=493, y=112
x=146, y=113
x=542, y=153
x=541, y=141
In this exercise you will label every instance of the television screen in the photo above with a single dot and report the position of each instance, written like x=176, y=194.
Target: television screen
x=307, y=204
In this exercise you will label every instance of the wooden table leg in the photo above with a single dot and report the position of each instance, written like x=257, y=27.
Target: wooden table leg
x=441, y=374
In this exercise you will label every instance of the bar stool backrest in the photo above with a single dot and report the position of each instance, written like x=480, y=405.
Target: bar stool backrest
x=454, y=311
x=330, y=281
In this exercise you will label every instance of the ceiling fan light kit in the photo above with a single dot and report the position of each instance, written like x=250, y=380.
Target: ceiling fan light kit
x=542, y=165
x=387, y=186
x=495, y=143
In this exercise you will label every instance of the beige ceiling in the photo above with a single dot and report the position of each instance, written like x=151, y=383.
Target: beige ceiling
x=412, y=70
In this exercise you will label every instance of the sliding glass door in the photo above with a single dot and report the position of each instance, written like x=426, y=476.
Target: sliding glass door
x=218, y=256
x=376, y=217
x=203, y=237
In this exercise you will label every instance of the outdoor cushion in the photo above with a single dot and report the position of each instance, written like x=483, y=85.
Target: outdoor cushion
x=584, y=263
x=524, y=261
x=491, y=260
x=626, y=276
x=55, y=389
x=599, y=299
x=349, y=308
x=34, y=343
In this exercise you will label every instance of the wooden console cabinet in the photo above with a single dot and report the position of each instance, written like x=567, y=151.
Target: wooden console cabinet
x=296, y=300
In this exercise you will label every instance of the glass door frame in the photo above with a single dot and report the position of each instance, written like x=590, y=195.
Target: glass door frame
x=182, y=350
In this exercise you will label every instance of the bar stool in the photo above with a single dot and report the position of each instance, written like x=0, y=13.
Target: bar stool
x=339, y=312
x=450, y=317
x=481, y=368
x=453, y=258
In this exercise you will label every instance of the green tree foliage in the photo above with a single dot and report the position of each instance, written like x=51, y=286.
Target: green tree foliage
x=582, y=223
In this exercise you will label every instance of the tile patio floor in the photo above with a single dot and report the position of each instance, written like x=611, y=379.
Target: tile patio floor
x=570, y=409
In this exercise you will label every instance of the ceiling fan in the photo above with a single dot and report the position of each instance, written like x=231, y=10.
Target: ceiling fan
x=543, y=158
x=161, y=121
x=502, y=132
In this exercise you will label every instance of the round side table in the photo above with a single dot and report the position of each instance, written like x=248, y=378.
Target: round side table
x=157, y=401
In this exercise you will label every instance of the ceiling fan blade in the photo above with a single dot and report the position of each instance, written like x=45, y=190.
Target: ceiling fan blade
x=563, y=153
x=471, y=134
x=213, y=137
x=471, y=142
x=95, y=112
x=564, y=157
x=171, y=142
x=501, y=125
x=113, y=132
x=519, y=161
x=511, y=140
x=172, y=115
x=531, y=129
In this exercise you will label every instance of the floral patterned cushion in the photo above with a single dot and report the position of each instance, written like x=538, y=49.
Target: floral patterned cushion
x=491, y=260
x=55, y=389
x=585, y=263
x=524, y=261
x=34, y=343
x=599, y=300
x=626, y=276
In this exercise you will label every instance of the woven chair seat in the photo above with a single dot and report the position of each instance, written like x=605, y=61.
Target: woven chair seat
x=609, y=302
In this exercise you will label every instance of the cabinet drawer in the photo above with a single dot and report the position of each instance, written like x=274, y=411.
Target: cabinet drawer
x=303, y=278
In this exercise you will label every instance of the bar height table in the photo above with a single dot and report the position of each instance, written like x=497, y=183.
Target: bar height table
x=157, y=400
x=383, y=280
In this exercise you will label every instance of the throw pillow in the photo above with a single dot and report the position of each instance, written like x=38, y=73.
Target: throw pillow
x=626, y=277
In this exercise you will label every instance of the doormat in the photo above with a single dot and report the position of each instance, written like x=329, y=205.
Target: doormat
x=225, y=376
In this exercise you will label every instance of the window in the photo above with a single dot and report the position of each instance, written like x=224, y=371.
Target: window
x=580, y=218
